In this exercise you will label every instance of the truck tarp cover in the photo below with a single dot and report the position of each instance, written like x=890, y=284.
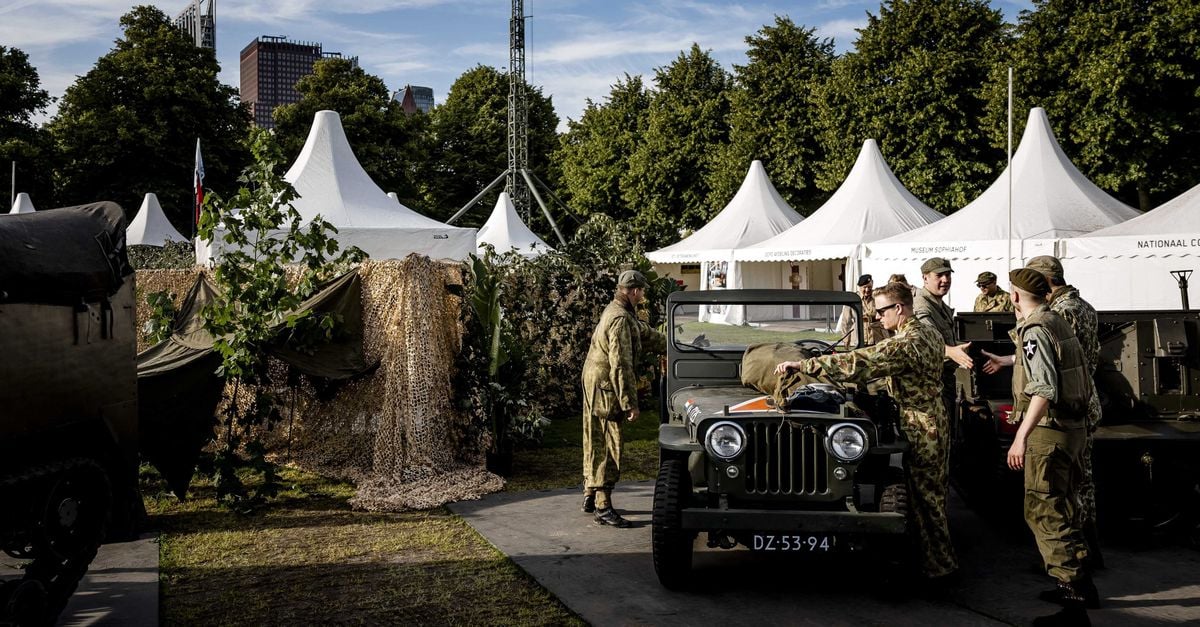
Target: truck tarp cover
x=63, y=256
x=178, y=389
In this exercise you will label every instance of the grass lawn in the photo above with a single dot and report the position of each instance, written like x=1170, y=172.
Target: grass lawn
x=307, y=558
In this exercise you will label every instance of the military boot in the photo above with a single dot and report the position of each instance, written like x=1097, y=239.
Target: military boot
x=589, y=503
x=1066, y=593
x=609, y=517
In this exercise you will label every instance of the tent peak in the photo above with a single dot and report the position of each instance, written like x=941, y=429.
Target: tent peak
x=22, y=204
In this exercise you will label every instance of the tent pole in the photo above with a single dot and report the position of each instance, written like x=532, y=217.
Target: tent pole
x=555, y=197
x=1010, y=173
x=471, y=203
x=12, y=200
x=542, y=204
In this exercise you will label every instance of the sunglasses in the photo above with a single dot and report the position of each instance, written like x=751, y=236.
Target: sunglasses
x=879, y=311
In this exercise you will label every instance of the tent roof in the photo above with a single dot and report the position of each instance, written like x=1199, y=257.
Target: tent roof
x=332, y=183
x=22, y=204
x=150, y=226
x=755, y=213
x=870, y=204
x=1050, y=198
x=506, y=231
x=1178, y=215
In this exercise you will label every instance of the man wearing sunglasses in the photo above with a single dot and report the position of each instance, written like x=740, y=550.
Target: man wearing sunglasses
x=911, y=362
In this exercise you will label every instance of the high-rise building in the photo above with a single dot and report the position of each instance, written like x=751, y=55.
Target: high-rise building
x=270, y=68
x=414, y=98
x=199, y=21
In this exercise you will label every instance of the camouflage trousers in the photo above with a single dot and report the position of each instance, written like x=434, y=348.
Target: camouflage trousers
x=1087, y=485
x=929, y=483
x=601, y=446
x=1052, y=472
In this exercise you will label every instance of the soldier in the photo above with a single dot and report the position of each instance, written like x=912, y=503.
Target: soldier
x=610, y=393
x=930, y=309
x=848, y=326
x=899, y=278
x=912, y=362
x=991, y=297
x=1050, y=399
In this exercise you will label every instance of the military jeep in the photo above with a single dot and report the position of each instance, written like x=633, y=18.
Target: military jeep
x=819, y=472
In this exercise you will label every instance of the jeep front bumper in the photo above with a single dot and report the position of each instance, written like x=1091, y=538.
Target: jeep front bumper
x=702, y=519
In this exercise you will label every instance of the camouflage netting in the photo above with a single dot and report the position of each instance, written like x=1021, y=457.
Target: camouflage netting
x=395, y=432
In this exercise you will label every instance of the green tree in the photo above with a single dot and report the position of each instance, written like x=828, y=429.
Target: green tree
x=386, y=142
x=129, y=126
x=21, y=98
x=595, y=150
x=667, y=179
x=773, y=114
x=468, y=142
x=915, y=83
x=1118, y=79
x=263, y=234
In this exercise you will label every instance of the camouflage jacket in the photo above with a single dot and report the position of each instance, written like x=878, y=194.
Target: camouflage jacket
x=999, y=301
x=617, y=342
x=1082, y=318
x=911, y=361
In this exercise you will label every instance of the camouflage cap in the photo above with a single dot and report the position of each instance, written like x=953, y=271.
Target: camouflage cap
x=936, y=265
x=1029, y=280
x=1047, y=265
x=985, y=278
x=632, y=279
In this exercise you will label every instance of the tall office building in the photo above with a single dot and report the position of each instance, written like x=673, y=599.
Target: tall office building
x=270, y=68
x=199, y=21
x=413, y=99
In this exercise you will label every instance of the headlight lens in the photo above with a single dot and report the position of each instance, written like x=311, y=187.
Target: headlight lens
x=847, y=442
x=725, y=440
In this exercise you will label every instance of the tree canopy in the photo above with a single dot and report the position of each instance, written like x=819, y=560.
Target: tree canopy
x=129, y=126
x=21, y=98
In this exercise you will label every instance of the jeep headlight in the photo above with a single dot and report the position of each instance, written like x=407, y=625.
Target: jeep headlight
x=725, y=440
x=847, y=442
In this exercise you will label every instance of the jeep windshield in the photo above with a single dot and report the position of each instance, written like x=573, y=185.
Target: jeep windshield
x=731, y=320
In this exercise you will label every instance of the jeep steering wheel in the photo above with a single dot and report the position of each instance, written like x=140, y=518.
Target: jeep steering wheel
x=821, y=346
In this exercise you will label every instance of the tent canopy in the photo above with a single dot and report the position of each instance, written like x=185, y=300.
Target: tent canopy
x=150, y=226
x=1050, y=199
x=505, y=231
x=870, y=204
x=22, y=204
x=1157, y=231
x=755, y=213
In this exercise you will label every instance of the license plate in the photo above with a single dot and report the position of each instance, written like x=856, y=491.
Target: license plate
x=820, y=543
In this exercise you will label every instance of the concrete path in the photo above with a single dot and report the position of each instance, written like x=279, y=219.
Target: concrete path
x=120, y=588
x=607, y=577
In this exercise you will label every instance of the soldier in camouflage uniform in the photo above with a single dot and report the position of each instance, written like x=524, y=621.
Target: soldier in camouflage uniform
x=1051, y=387
x=610, y=393
x=911, y=361
x=1066, y=302
x=991, y=297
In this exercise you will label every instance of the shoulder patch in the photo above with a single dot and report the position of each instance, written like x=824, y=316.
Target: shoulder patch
x=1030, y=349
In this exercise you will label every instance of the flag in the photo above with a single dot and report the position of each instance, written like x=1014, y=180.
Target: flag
x=198, y=181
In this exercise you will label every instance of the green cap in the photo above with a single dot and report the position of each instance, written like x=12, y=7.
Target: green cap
x=1030, y=280
x=1047, y=265
x=936, y=265
x=632, y=279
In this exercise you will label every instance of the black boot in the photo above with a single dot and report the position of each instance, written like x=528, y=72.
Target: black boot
x=1095, y=559
x=611, y=518
x=1066, y=593
x=589, y=503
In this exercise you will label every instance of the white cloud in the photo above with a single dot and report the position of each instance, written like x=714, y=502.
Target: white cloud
x=843, y=31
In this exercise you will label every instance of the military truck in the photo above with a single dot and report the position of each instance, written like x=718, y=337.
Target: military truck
x=68, y=404
x=818, y=473
x=1147, y=448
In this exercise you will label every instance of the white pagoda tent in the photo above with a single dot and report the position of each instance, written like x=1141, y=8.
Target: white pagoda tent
x=870, y=204
x=1050, y=200
x=332, y=184
x=150, y=226
x=1128, y=265
x=505, y=231
x=22, y=204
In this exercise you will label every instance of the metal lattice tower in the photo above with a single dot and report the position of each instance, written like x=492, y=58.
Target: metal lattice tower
x=518, y=112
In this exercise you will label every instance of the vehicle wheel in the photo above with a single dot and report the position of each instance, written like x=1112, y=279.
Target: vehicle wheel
x=894, y=499
x=672, y=545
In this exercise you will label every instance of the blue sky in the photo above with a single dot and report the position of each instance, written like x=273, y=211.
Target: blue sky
x=575, y=49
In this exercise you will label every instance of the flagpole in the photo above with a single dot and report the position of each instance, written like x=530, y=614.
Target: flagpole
x=12, y=200
x=1010, y=173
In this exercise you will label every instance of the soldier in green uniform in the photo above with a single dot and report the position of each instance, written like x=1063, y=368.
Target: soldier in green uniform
x=911, y=360
x=1050, y=399
x=930, y=309
x=991, y=297
x=610, y=393
x=847, y=325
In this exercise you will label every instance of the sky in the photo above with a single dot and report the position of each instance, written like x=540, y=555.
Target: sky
x=575, y=49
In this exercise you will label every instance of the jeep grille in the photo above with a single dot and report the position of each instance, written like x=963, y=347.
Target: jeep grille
x=785, y=458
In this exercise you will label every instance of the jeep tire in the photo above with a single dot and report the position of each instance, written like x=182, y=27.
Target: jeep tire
x=672, y=545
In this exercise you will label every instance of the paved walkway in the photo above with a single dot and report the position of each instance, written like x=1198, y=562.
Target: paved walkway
x=606, y=574
x=120, y=588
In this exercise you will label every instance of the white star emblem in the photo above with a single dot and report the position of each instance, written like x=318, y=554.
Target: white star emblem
x=1030, y=349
